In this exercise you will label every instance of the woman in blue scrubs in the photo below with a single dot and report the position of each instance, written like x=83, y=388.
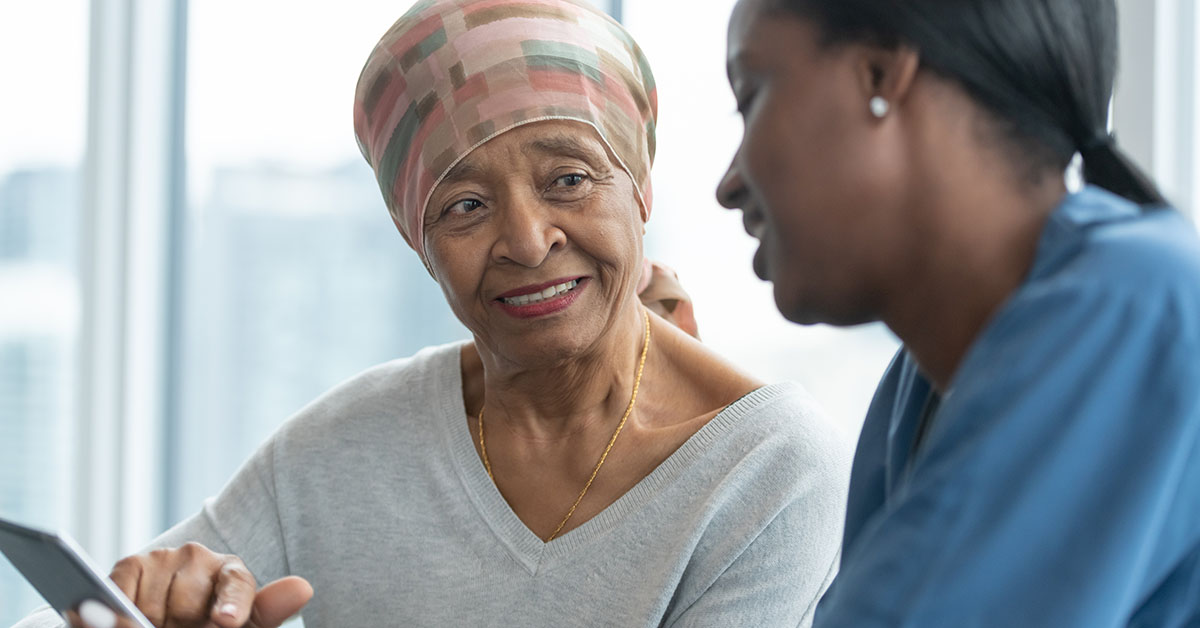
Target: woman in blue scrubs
x=1032, y=455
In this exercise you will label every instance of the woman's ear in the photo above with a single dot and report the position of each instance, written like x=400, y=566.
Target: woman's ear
x=886, y=76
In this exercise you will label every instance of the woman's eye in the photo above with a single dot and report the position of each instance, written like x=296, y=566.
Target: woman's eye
x=569, y=180
x=465, y=206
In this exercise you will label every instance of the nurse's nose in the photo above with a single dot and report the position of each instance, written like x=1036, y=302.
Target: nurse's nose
x=731, y=191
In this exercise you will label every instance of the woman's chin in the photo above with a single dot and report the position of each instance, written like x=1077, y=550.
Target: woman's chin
x=555, y=339
x=547, y=348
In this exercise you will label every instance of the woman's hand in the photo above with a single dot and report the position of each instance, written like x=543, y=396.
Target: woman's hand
x=194, y=586
x=660, y=291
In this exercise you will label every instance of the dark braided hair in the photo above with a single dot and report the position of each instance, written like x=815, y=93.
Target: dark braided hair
x=1043, y=68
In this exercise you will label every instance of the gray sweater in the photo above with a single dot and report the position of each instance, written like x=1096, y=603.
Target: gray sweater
x=375, y=494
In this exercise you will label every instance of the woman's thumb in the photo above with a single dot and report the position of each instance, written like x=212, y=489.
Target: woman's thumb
x=279, y=600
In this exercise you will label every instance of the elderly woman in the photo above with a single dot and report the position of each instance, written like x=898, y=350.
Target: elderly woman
x=580, y=461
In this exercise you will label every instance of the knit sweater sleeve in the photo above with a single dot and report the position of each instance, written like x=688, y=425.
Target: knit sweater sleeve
x=789, y=518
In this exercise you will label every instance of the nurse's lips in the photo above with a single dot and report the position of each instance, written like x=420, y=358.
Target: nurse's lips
x=759, y=263
x=753, y=223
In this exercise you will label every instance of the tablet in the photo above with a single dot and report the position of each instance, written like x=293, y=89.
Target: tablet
x=61, y=572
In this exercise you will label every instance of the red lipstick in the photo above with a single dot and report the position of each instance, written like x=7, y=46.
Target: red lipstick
x=511, y=302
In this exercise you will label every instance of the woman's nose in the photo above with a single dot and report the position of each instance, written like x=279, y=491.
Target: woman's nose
x=528, y=233
x=731, y=191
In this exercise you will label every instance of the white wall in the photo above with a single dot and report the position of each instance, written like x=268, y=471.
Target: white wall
x=1154, y=106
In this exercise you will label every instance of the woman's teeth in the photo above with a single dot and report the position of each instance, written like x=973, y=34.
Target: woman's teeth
x=526, y=299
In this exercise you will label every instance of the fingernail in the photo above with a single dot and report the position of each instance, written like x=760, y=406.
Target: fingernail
x=97, y=615
x=228, y=610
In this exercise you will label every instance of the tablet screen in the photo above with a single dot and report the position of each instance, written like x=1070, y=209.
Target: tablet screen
x=60, y=571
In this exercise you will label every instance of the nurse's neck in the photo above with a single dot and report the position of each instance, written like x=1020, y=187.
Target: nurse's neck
x=982, y=247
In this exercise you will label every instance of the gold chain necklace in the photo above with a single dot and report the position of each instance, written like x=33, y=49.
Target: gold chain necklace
x=628, y=410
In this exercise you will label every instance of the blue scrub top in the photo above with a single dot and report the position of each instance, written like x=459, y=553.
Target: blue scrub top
x=1058, y=481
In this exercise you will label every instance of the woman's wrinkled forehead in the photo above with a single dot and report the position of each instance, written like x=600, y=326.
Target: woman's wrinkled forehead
x=452, y=74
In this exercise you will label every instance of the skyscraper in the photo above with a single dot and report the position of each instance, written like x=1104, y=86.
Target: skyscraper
x=38, y=313
x=297, y=281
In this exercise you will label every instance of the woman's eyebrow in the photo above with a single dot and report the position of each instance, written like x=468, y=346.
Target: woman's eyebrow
x=461, y=171
x=568, y=145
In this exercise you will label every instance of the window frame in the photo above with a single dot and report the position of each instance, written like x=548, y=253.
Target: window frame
x=1154, y=114
x=130, y=208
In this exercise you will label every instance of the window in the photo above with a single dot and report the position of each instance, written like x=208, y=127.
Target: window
x=1154, y=113
x=295, y=276
x=43, y=130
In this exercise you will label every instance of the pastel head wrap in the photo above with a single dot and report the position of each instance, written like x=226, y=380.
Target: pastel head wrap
x=452, y=74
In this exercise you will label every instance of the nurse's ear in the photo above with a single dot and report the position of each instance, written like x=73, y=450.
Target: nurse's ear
x=885, y=76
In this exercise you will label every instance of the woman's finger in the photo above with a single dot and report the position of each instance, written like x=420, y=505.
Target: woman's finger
x=96, y=615
x=75, y=621
x=278, y=601
x=126, y=574
x=191, y=592
x=234, y=594
x=158, y=569
x=661, y=292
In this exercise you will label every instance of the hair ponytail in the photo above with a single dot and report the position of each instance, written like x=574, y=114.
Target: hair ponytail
x=1043, y=68
x=1107, y=166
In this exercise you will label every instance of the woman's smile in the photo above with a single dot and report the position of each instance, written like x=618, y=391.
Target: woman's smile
x=541, y=299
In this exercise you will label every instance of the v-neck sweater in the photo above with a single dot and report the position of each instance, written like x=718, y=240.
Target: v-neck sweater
x=375, y=494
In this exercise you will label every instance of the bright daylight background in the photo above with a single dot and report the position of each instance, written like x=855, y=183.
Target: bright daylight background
x=191, y=247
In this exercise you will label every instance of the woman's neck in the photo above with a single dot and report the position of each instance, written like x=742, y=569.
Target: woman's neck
x=552, y=401
x=981, y=253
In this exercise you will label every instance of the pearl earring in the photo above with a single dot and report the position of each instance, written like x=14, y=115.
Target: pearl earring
x=879, y=106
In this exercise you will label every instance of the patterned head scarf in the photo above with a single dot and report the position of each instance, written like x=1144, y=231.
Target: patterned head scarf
x=452, y=74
